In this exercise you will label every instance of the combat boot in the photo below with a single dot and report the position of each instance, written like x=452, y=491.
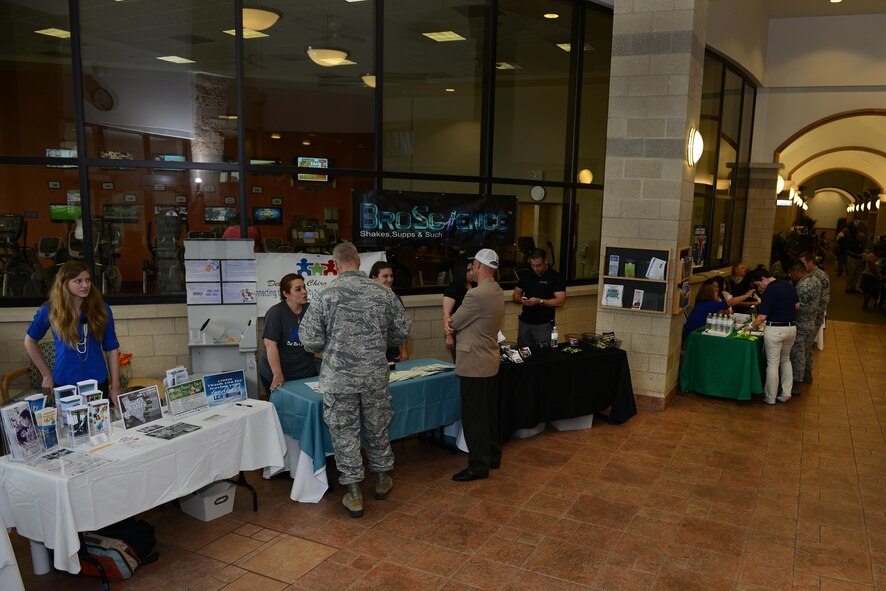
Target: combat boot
x=383, y=486
x=353, y=500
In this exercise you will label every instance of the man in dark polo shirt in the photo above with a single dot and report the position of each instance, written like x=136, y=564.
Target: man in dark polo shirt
x=540, y=291
x=778, y=311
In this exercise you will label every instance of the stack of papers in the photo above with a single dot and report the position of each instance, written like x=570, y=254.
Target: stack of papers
x=418, y=372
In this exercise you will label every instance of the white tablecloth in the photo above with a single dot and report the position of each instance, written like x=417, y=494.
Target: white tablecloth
x=10, y=577
x=52, y=509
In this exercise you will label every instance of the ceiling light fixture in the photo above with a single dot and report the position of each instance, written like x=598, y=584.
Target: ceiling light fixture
x=368, y=79
x=585, y=176
x=869, y=205
x=175, y=59
x=567, y=47
x=444, y=36
x=247, y=33
x=450, y=90
x=551, y=15
x=694, y=147
x=275, y=136
x=328, y=57
x=507, y=66
x=306, y=142
x=779, y=184
x=805, y=206
x=259, y=18
x=836, y=1
x=53, y=32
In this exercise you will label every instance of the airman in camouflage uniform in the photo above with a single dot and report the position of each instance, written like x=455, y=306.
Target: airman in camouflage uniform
x=809, y=262
x=353, y=320
x=809, y=291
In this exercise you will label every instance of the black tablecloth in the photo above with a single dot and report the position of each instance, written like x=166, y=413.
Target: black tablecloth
x=553, y=385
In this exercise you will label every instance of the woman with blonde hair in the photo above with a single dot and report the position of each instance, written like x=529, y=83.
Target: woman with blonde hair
x=83, y=332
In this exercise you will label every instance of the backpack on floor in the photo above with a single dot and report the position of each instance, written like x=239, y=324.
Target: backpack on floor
x=138, y=534
x=116, y=557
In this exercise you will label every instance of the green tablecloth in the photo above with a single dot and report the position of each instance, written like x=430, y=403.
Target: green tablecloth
x=726, y=367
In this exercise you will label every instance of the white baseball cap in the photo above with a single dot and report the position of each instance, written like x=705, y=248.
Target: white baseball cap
x=488, y=257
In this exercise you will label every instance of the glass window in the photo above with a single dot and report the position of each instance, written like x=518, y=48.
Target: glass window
x=595, y=99
x=320, y=106
x=36, y=62
x=432, y=86
x=164, y=74
x=532, y=89
x=588, y=216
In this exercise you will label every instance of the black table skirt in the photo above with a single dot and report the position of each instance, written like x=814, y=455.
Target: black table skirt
x=554, y=385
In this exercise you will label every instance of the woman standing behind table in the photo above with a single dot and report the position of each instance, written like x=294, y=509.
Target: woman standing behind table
x=462, y=281
x=285, y=358
x=83, y=332
x=383, y=272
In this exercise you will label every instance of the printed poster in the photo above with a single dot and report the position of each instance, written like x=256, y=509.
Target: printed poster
x=222, y=388
x=140, y=407
x=699, y=245
x=186, y=398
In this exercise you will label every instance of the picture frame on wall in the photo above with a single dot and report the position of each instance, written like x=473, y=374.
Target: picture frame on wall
x=181, y=198
x=276, y=201
x=129, y=198
x=159, y=187
x=108, y=186
x=257, y=190
x=54, y=184
x=229, y=201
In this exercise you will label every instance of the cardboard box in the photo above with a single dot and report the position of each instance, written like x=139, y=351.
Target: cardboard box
x=210, y=502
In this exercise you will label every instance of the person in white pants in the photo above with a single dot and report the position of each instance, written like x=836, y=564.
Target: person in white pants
x=778, y=310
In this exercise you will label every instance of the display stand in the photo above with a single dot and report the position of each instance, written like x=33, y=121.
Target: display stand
x=684, y=272
x=635, y=280
x=220, y=283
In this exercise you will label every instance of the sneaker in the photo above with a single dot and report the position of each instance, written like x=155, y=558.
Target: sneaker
x=782, y=398
x=353, y=500
x=767, y=401
x=383, y=486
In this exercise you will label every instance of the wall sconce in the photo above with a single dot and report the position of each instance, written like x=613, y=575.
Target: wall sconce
x=879, y=200
x=585, y=176
x=694, y=147
x=779, y=184
x=869, y=205
x=805, y=207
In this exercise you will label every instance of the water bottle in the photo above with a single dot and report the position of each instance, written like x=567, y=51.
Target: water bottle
x=709, y=323
x=554, y=337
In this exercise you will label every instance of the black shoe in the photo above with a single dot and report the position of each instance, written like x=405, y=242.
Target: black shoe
x=495, y=465
x=467, y=475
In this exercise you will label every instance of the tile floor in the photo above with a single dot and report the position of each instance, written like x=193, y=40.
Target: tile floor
x=706, y=495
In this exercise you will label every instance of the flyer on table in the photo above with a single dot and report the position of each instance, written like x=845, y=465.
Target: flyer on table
x=222, y=388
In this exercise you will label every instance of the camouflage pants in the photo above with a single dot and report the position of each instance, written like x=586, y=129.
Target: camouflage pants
x=342, y=414
x=801, y=352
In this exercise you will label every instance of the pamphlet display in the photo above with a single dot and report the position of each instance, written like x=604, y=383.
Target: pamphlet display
x=222, y=388
x=35, y=402
x=21, y=433
x=47, y=426
x=140, y=407
x=91, y=396
x=99, y=421
x=77, y=425
x=636, y=279
x=86, y=386
x=186, y=398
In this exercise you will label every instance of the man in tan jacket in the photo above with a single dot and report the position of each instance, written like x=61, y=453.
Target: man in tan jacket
x=477, y=322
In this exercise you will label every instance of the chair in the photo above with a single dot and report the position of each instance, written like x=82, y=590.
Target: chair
x=35, y=379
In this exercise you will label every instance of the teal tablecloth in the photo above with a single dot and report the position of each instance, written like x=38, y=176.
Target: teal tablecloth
x=420, y=405
x=726, y=367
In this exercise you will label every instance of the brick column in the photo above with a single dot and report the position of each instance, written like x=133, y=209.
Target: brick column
x=760, y=219
x=654, y=98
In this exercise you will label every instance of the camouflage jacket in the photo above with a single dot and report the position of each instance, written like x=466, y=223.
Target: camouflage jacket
x=809, y=292
x=352, y=320
x=825, y=293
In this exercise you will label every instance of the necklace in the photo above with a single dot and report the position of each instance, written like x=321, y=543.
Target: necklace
x=83, y=345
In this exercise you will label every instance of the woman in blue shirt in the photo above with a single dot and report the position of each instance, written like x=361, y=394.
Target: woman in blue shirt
x=708, y=301
x=83, y=332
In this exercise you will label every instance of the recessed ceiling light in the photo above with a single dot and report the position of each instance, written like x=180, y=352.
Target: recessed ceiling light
x=443, y=36
x=275, y=136
x=552, y=15
x=306, y=142
x=836, y=1
x=247, y=33
x=567, y=47
x=53, y=32
x=174, y=59
x=450, y=90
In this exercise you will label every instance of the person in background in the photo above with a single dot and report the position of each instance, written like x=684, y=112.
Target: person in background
x=778, y=310
x=285, y=357
x=233, y=232
x=822, y=247
x=540, y=291
x=723, y=290
x=382, y=272
x=477, y=323
x=841, y=248
x=809, y=292
x=352, y=320
x=855, y=252
x=453, y=295
x=824, y=300
x=86, y=346
x=872, y=276
x=739, y=270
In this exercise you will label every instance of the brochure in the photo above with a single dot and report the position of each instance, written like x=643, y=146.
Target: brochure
x=612, y=294
x=21, y=433
x=140, y=407
x=87, y=397
x=656, y=269
x=47, y=425
x=77, y=425
x=67, y=462
x=87, y=386
x=35, y=402
x=613, y=265
x=169, y=431
x=223, y=388
x=638, y=299
x=186, y=399
x=99, y=421
x=63, y=392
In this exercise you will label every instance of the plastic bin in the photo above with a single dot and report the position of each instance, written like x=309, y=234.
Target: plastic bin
x=210, y=502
